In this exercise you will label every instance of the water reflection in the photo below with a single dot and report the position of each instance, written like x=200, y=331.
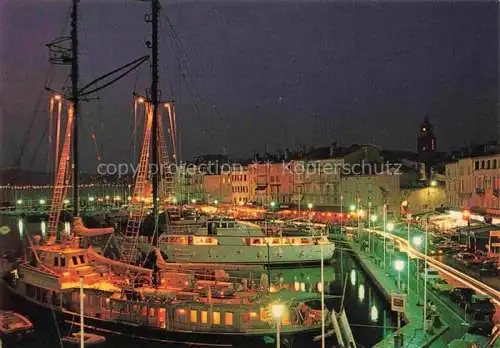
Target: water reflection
x=353, y=277
x=20, y=228
x=361, y=292
x=43, y=228
x=67, y=228
x=374, y=314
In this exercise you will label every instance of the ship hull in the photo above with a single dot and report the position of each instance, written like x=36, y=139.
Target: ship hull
x=40, y=313
x=252, y=255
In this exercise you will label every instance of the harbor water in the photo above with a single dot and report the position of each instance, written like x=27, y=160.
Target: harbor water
x=347, y=286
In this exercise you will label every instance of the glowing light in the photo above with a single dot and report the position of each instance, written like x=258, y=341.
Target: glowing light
x=4, y=230
x=361, y=213
x=404, y=203
x=309, y=206
x=390, y=226
x=140, y=100
x=417, y=241
x=174, y=200
x=67, y=227
x=319, y=287
x=118, y=198
x=42, y=201
x=273, y=204
x=374, y=314
x=91, y=199
x=193, y=201
x=399, y=265
x=277, y=310
x=361, y=292
x=66, y=201
x=129, y=198
x=352, y=207
x=19, y=201
x=296, y=285
x=107, y=197
x=353, y=277
x=303, y=287
x=434, y=183
x=57, y=97
x=216, y=202
x=373, y=218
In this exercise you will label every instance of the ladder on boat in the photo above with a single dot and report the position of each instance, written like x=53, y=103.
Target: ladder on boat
x=138, y=203
x=61, y=186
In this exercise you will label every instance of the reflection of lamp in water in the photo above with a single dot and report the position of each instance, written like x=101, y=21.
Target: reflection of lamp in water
x=353, y=277
x=296, y=284
x=303, y=287
x=374, y=313
x=361, y=292
x=319, y=287
x=20, y=227
x=277, y=310
x=43, y=228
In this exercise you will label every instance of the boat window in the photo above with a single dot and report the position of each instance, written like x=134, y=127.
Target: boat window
x=194, y=316
x=75, y=260
x=181, y=313
x=56, y=261
x=162, y=317
x=63, y=261
x=82, y=260
x=204, y=317
x=216, y=318
x=228, y=319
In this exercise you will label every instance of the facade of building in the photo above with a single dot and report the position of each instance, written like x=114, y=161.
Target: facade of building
x=474, y=183
x=421, y=200
x=270, y=182
x=359, y=190
x=241, y=188
x=317, y=182
x=218, y=188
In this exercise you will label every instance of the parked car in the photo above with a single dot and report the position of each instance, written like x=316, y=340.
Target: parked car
x=441, y=286
x=480, y=307
x=489, y=269
x=461, y=295
x=430, y=273
x=466, y=258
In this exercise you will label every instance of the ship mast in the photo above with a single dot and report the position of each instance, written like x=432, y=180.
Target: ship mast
x=155, y=8
x=75, y=100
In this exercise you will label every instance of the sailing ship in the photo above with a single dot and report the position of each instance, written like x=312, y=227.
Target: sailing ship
x=126, y=299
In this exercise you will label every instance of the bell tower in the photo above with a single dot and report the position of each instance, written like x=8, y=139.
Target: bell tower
x=426, y=140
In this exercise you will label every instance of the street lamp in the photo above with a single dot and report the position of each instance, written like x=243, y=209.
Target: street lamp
x=277, y=311
x=390, y=226
x=309, y=206
x=19, y=201
x=373, y=218
x=174, y=200
x=193, y=201
x=273, y=204
x=42, y=202
x=352, y=207
x=216, y=202
x=399, y=265
x=434, y=183
x=91, y=199
x=417, y=241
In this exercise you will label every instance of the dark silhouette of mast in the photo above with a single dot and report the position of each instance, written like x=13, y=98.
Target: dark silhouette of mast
x=75, y=101
x=155, y=8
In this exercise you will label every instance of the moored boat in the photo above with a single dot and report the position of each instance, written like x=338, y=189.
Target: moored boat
x=14, y=328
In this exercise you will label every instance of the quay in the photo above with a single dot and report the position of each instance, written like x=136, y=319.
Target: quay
x=449, y=325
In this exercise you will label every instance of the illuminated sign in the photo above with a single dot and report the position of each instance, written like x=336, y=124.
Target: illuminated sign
x=398, y=302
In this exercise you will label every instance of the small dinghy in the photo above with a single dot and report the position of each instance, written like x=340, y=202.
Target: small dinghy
x=89, y=339
x=14, y=327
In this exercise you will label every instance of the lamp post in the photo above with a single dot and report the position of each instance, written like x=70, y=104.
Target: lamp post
x=277, y=310
x=341, y=212
x=310, y=206
x=408, y=254
x=385, y=226
x=417, y=241
x=369, y=226
x=425, y=277
x=399, y=265
x=389, y=227
x=373, y=220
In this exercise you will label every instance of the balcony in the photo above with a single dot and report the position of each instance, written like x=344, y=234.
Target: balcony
x=479, y=190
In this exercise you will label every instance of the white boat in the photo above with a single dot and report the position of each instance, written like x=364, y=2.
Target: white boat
x=226, y=241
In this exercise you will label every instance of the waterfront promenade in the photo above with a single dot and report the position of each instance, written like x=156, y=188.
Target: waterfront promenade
x=449, y=325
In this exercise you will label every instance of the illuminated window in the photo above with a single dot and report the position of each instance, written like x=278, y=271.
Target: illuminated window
x=216, y=318
x=228, y=319
x=193, y=315
x=162, y=317
x=204, y=317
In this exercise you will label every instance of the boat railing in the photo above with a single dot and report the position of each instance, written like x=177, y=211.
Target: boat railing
x=287, y=241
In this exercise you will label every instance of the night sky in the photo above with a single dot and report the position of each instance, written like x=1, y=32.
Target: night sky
x=250, y=75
